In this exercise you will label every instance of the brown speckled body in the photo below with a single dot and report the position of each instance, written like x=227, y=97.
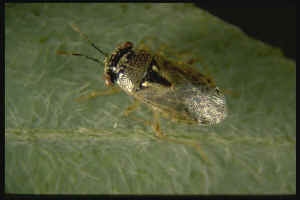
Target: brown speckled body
x=179, y=92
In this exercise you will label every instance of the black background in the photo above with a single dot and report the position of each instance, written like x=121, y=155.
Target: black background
x=271, y=23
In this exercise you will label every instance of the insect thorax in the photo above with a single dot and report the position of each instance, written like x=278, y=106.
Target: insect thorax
x=130, y=69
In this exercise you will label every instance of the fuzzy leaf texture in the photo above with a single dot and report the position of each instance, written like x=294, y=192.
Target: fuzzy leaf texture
x=55, y=145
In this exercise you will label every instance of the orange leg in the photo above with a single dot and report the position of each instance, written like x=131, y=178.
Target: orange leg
x=91, y=95
x=133, y=107
x=160, y=135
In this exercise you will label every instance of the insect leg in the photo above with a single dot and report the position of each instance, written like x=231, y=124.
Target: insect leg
x=91, y=95
x=132, y=107
x=156, y=126
x=164, y=49
x=230, y=92
x=160, y=135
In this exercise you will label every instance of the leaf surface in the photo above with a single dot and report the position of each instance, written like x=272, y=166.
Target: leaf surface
x=55, y=145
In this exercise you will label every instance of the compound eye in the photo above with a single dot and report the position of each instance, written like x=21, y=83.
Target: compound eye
x=127, y=45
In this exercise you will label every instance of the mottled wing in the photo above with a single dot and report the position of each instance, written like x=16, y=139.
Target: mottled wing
x=191, y=97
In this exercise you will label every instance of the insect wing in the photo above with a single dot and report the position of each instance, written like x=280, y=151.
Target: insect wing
x=188, y=103
x=169, y=102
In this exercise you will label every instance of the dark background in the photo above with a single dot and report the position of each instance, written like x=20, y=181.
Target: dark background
x=274, y=24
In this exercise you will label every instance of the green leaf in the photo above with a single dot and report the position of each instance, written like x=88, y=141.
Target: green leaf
x=55, y=145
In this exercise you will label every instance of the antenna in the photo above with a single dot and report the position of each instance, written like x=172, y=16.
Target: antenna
x=75, y=28
x=59, y=52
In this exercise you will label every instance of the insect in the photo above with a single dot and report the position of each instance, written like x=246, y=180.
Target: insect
x=177, y=92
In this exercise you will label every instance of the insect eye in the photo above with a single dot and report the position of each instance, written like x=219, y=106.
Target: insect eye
x=128, y=45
